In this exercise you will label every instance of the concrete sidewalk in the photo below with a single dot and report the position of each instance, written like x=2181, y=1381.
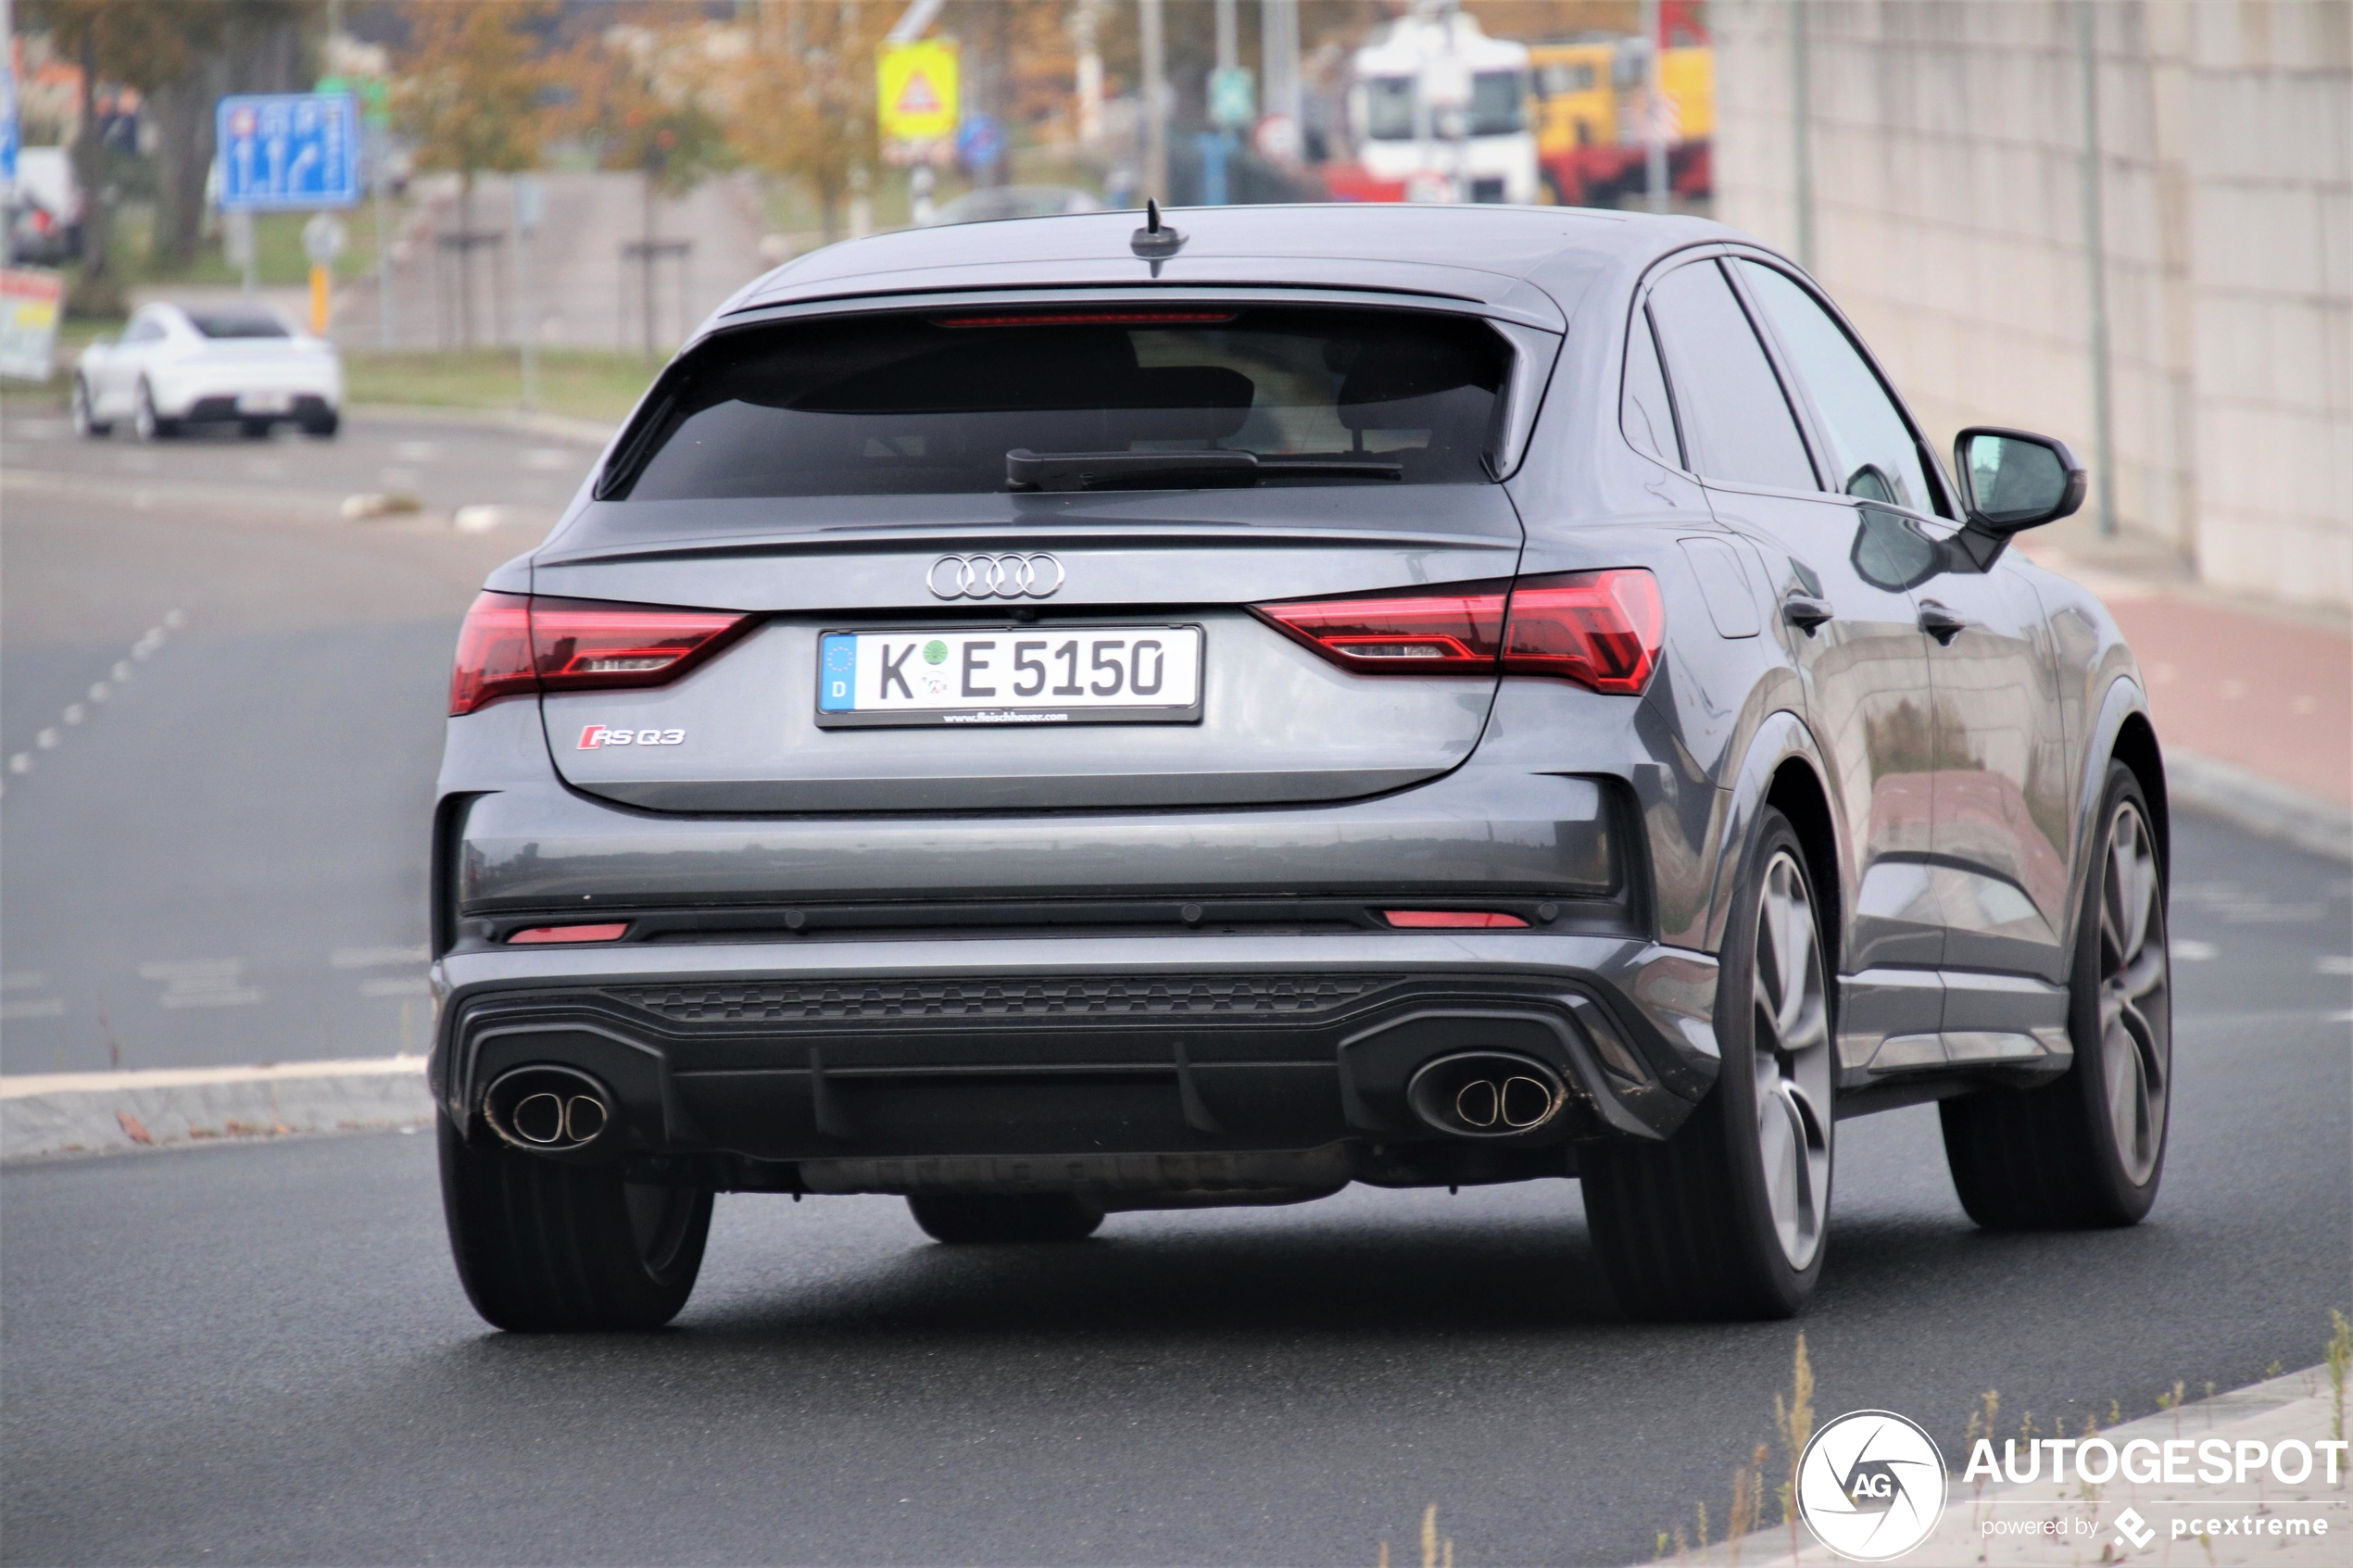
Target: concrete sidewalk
x=47, y=1113
x=2254, y=704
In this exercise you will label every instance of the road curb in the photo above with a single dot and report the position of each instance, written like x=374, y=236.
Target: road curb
x=2258, y=805
x=53, y=1114
x=566, y=427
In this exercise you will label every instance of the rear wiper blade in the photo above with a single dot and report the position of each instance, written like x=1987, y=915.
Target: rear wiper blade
x=1026, y=470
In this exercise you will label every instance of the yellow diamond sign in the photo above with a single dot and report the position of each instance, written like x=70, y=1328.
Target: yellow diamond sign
x=916, y=90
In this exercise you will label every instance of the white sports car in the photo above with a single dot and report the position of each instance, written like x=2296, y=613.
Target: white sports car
x=175, y=366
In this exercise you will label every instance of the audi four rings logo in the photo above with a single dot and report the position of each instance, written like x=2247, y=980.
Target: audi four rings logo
x=995, y=577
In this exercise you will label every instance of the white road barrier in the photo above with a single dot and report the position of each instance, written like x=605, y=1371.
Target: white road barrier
x=53, y=1113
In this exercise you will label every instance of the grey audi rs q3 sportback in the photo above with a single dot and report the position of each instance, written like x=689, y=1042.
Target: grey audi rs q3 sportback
x=1054, y=717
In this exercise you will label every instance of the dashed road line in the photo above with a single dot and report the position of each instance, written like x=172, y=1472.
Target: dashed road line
x=51, y=737
x=203, y=982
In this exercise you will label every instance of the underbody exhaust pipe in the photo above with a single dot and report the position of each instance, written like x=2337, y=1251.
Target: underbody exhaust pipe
x=549, y=1109
x=1486, y=1094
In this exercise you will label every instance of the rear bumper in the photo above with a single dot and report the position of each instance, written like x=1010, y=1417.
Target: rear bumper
x=984, y=1063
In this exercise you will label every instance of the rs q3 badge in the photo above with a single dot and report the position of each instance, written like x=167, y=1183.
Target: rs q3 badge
x=596, y=737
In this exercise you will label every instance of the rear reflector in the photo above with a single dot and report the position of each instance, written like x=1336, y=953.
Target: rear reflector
x=1449, y=920
x=1599, y=629
x=515, y=644
x=611, y=932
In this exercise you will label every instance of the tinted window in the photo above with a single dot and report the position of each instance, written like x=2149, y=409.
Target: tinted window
x=1389, y=108
x=903, y=405
x=1498, y=103
x=1644, y=410
x=237, y=323
x=145, y=330
x=1872, y=453
x=1737, y=424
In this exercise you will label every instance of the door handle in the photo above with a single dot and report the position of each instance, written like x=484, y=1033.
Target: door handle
x=1940, y=623
x=1805, y=611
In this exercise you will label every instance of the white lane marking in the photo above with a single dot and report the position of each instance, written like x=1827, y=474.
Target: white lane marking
x=377, y=957
x=39, y=1006
x=477, y=518
x=2187, y=952
x=414, y=985
x=202, y=982
x=51, y=737
x=550, y=459
x=415, y=451
x=2334, y=963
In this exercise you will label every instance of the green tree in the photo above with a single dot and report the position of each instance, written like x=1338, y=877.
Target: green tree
x=803, y=96
x=470, y=92
x=644, y=104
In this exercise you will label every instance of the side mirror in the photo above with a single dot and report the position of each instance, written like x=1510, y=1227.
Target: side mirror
x=2012, y=480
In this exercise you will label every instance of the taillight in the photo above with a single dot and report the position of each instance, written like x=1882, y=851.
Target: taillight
x=608, y=932
x=1450, y=920
x=513, y=644
x=1598, y=629
x=1453, y=631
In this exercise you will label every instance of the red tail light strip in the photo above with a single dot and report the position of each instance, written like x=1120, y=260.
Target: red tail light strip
x=1084, y=319
x=1450, y=919
x=1599, y=630
x=513, y=645
x=613, y=932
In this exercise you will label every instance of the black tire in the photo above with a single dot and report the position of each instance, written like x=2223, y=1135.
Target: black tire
x=323, y=427
x=253, y=430
x=85, y=424
x=2087, y=1149
x=1728, y=1219
x=961, y=1219
x=542, y=1247
x=148, y=425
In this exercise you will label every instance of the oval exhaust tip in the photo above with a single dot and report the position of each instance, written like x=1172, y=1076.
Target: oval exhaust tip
x=1486, y=1094
x=548, y=1109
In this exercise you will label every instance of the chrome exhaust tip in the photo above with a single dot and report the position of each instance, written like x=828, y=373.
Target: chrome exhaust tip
x=549, y=1109
x=1486, y=1094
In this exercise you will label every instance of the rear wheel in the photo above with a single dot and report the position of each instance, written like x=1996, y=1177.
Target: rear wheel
x=253, y=430
x=322, y=426
x=1728, y=1219
x=958, y=1218
x=2087, y=1149
x=85, y=423
x=547, y=1246
x=145, y=423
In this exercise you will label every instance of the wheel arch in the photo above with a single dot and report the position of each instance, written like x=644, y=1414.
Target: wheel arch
x=1783, y=769
x=2123, y=733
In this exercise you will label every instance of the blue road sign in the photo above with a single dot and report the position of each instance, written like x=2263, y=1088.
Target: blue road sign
x=288, y=150
x=979, y=142
x=7, y=124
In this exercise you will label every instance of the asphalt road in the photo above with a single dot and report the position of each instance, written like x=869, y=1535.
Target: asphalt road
x=259, y=1353
x=221, y=711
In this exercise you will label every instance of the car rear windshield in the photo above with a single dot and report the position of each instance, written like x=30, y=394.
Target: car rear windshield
x=917, y=404
x=237, y=323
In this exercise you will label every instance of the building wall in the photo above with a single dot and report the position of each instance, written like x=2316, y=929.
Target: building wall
x=1950, y=211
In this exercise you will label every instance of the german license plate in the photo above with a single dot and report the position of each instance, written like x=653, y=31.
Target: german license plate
x=1026, y=675
x=264, y=402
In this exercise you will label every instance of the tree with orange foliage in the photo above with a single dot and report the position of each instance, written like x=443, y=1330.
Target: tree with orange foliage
x=801, y=98
x=471, y=94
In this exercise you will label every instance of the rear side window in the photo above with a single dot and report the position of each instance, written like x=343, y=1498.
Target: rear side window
x=1872, y=453
x=911, y=405
x=237, y=323
x=1737, y=424
x=1644, y=410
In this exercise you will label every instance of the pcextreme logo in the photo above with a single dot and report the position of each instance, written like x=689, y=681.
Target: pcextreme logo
x=1871, y=1486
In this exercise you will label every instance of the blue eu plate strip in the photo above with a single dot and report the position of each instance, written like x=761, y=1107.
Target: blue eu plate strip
x=837, y=673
